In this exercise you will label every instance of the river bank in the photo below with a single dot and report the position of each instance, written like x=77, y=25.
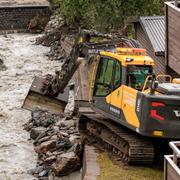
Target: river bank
x=23, y=60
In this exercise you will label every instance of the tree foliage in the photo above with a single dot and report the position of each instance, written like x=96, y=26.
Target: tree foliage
x=106, y=15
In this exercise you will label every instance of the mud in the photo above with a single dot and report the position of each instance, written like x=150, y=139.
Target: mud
x=23, y=60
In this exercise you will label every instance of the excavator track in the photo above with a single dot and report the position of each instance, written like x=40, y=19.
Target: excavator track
x=127, y=145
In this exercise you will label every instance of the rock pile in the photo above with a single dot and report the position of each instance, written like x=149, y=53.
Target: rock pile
x=57, y=142
x=56, y=138
x=59, y=37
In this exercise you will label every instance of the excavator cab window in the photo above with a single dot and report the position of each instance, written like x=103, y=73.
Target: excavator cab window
x=136, y=76
x=108, y=76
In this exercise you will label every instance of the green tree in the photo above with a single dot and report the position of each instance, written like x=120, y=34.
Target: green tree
x=106, y=15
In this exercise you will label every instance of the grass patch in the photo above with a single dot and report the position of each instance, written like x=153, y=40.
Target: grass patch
x=111, y=171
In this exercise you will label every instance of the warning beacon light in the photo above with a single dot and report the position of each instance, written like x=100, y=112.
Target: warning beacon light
x=131, y=51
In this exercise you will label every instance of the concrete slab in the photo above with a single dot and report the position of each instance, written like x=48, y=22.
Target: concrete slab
x=91, y=169
x=23, y=2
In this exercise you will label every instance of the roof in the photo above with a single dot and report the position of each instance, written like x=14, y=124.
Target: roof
x=171, y=4
x=154, y=27
x=137, y=59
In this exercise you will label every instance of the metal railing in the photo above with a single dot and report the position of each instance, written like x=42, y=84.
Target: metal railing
x=171, y=167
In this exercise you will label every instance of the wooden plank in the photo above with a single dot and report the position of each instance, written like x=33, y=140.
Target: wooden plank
x=166, y=34
x=174, y=64
x=171, y=173
x=171, y=170
x=174, y=57
x=173, y=35
x=173, y=38
x=173, y=13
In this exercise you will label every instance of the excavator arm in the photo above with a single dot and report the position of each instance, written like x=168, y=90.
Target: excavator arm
x=53, y=85
x=50, y=90
x=83, y=47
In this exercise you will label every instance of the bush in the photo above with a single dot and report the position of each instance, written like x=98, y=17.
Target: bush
x=106, y=15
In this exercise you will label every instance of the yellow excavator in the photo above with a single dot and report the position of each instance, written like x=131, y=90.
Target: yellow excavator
x=121, y=104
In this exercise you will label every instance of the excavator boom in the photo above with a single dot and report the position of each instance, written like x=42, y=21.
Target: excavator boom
x=51, y=91
x=120, y=102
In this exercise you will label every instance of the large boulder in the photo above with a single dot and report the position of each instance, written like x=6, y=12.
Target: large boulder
x=66, y=163
x=45, y=147
x=75, y=139
x=35, y=132
x=44, y=118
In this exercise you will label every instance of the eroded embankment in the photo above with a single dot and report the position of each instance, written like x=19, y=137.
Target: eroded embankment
x=23, y=60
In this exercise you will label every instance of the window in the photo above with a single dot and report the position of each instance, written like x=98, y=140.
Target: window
x=117, y=76
x=136, y=76
x=108, y=76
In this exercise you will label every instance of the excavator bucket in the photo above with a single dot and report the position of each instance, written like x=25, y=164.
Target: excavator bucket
x=36, y=98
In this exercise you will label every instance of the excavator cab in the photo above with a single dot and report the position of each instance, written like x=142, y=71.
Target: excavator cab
x=116, y=72
x=127, y=91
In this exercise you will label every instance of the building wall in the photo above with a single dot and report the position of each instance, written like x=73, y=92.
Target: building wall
x=18, y=18
x=160, y=67
x=173, y=37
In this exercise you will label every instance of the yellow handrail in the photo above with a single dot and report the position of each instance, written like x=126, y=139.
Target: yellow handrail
x=165, y=76
x=145, y=83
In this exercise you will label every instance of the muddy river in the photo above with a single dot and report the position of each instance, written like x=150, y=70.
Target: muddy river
x=23, y=60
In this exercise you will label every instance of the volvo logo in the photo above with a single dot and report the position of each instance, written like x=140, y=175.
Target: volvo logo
x=177, y=113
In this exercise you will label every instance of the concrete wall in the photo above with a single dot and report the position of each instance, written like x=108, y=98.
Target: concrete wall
x=18, y=17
